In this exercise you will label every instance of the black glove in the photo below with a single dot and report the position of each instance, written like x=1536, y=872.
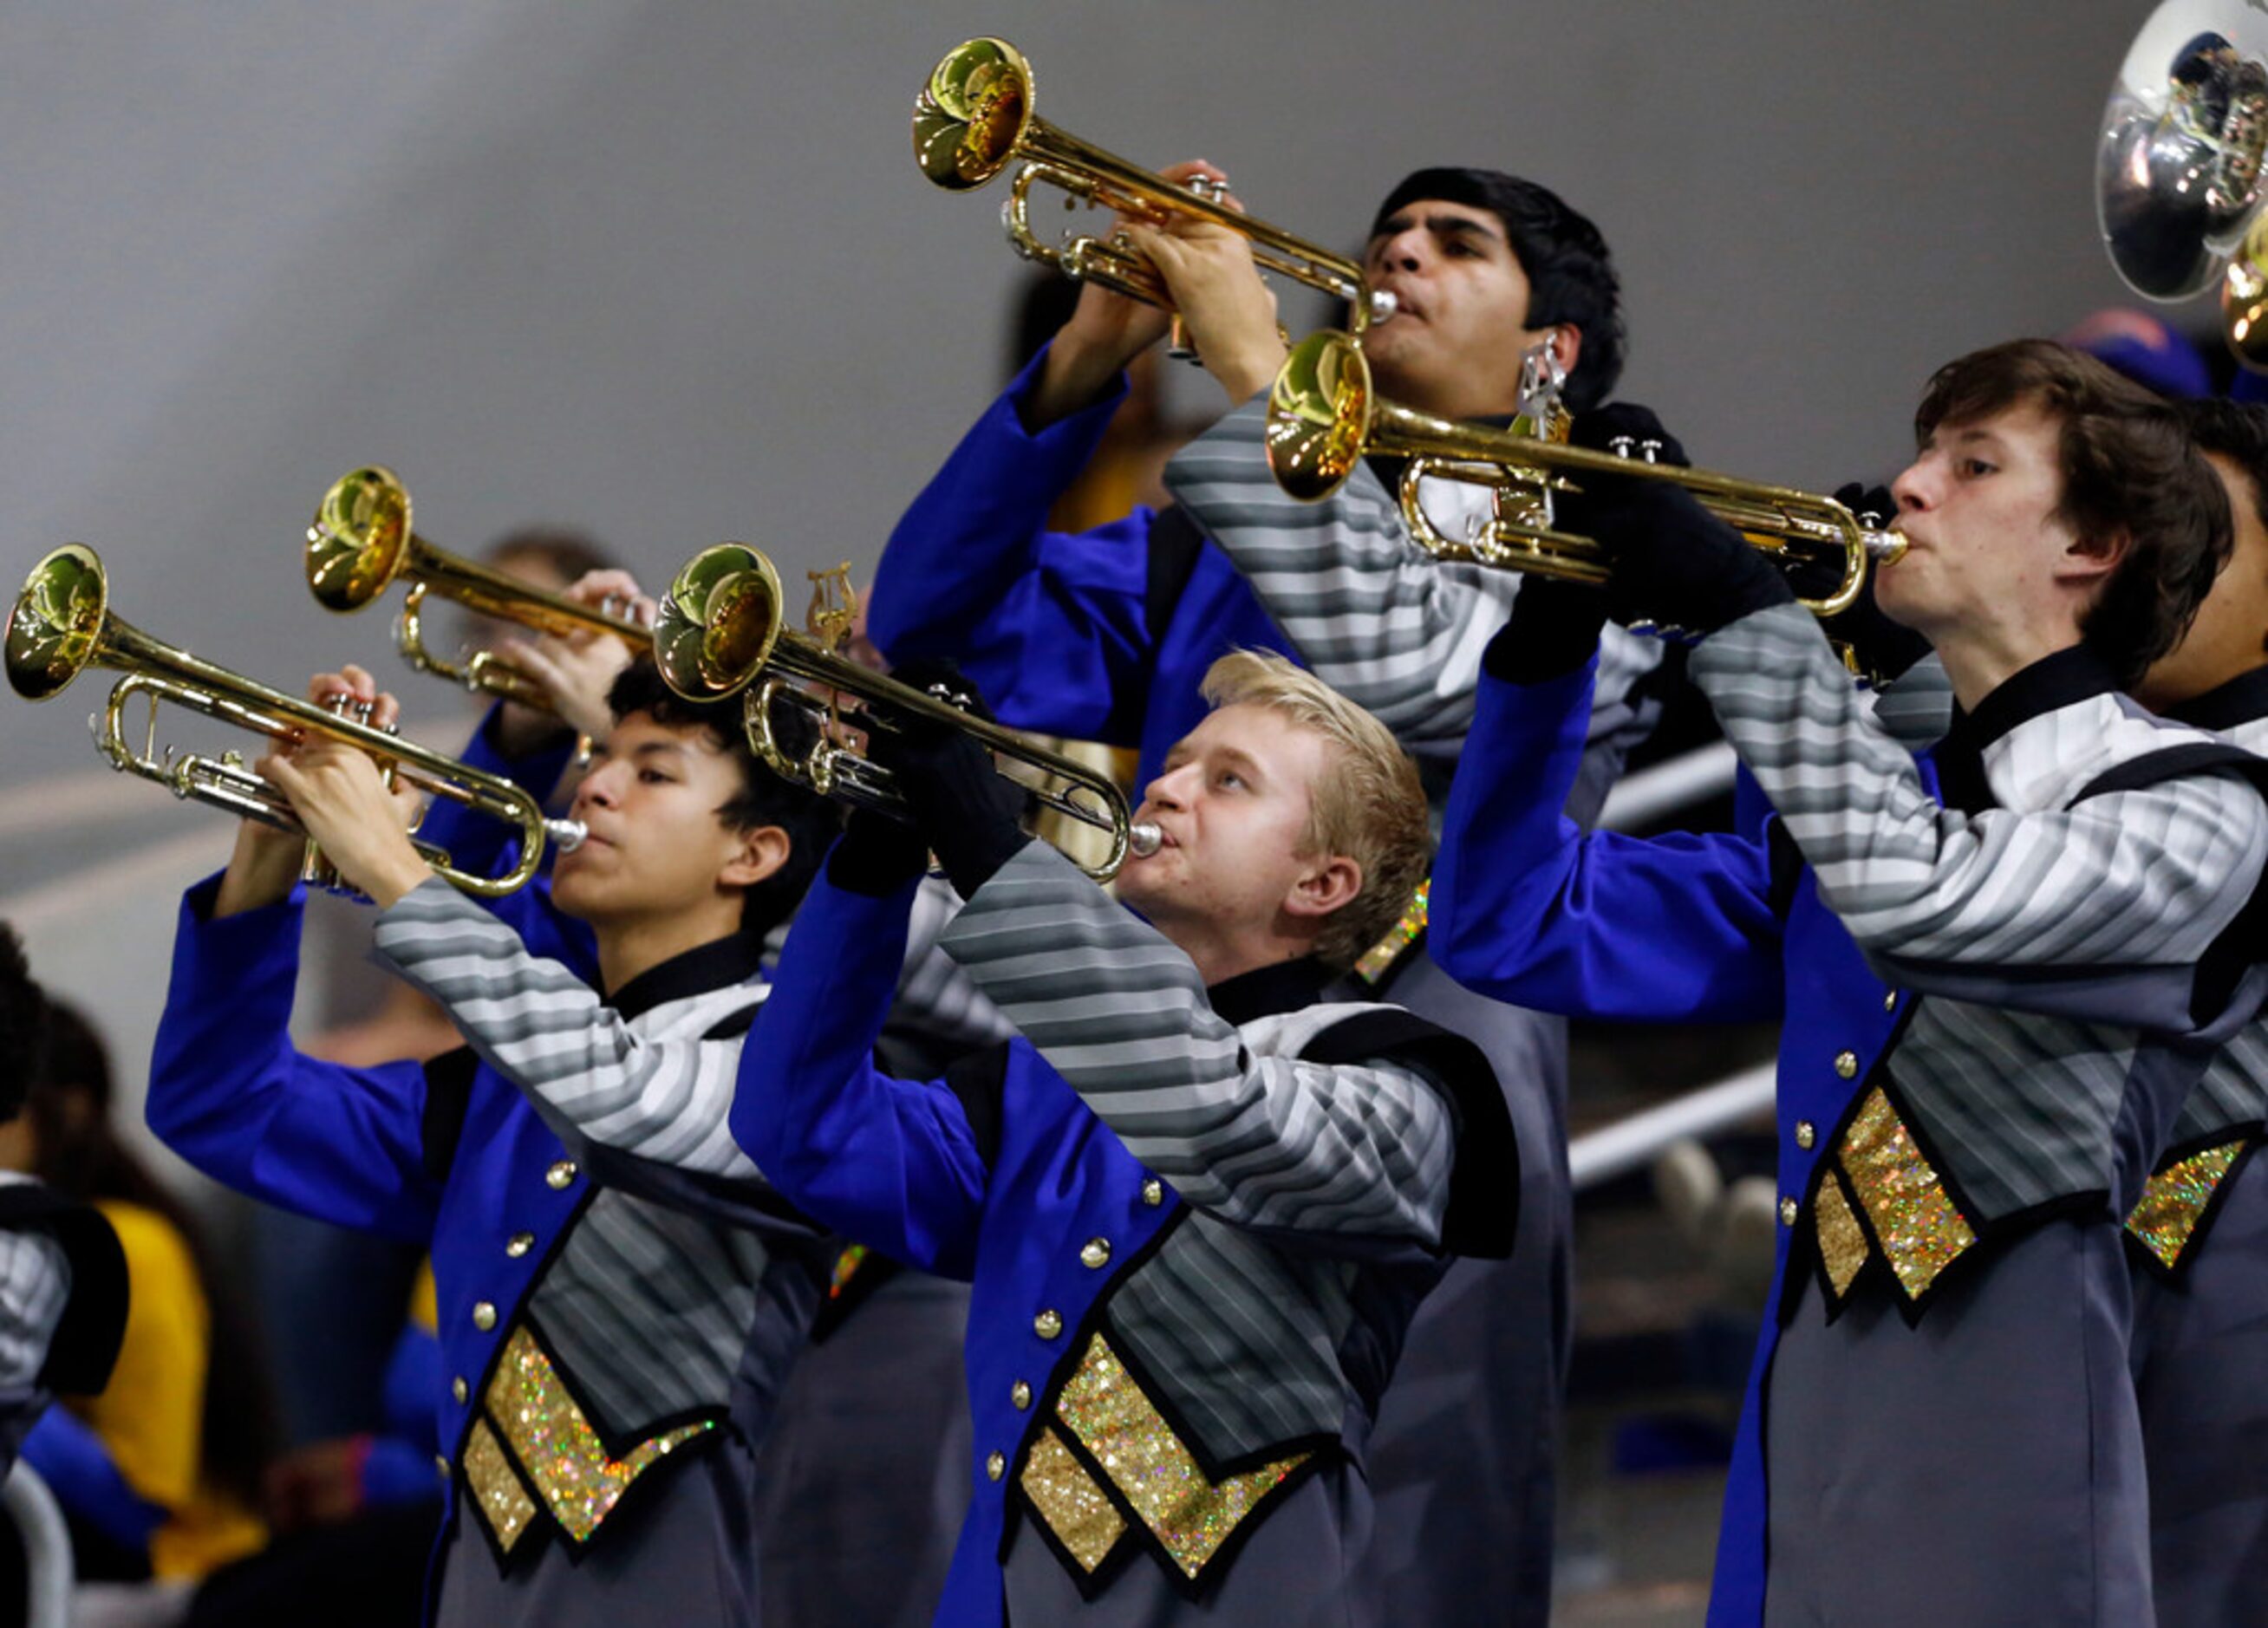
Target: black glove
x=1674, y=566
x=960, y=804
x=1554, y=628
x=877, y=856
x=1628, y=431
x=1879, y=647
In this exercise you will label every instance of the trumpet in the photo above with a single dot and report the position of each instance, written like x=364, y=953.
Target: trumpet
x=362, y=540
x=720, y=632
x=2178, y=185
x=1323, y=416
x=974, y=118
x=61, y=622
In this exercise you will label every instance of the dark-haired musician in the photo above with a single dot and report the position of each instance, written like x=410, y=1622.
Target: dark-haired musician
x=615, y=1325
x=62, y=1275
x=1198, y=1198
x=1999, y=967
x=1105, y=635
x=2198, y=1239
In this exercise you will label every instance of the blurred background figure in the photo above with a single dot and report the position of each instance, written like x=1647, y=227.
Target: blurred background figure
x=159, y=1476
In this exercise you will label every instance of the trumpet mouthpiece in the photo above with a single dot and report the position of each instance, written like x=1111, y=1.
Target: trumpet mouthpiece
x=1143, y=839
x=1884, y=547
x=566, y=835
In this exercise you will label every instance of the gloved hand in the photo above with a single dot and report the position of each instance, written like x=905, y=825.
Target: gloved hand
x=965, y=812
x=1555, y=624
x=1675, y=566
x=1880, y=648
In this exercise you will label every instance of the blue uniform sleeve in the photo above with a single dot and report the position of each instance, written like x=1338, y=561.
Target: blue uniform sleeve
x=86, y=1480
x=1052, y=625
x=889, y=1163
x=230, y=1093
x=1528, y=909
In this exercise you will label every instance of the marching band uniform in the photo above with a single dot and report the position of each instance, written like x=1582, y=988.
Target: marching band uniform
x=1106, y=634
x=2198, y=1242
x=616, y=1327
x=1997, y=969
x=1197, y=1222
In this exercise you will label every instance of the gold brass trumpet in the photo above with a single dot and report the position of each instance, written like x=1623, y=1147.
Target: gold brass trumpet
x=974, y=118
x=720, y=632
x=62, y=623
x=1323, y=416
x=362, y=540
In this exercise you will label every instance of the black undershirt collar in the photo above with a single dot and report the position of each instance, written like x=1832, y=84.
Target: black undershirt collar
x=2241, y=700
x=716, y=965
x=2069, y=676
x=1281, y=986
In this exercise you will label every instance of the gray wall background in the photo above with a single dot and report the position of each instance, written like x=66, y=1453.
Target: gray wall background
x=667, y=271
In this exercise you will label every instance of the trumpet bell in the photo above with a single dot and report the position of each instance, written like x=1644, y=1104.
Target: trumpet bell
x=359, y=538
x=972, y=113
x=719, y=622
x=2185, y=131
x=56, y=622
x=1319, y=414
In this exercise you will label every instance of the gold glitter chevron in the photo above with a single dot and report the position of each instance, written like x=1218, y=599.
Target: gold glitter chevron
x=1842, y=1241
x=1080, y=1513
x=1190, y=1515
x=2174, y=1200
x=1916, y=1223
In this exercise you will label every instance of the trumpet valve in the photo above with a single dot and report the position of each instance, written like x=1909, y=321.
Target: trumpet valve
x=1143, y=839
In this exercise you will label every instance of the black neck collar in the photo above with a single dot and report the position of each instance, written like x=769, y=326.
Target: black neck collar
x=716, y=965
x=2241, y=700
x=1281, y=986
x=2072, y=675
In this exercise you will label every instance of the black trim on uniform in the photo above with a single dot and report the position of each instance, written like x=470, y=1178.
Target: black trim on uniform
x=1482, y=1215
x=2071, y=674
x=84, y=1348
x=735, y=958
x=1265, y=991
x=2241, y=700
x=979, y=1080
x=448, y=1095
x=1176, y=541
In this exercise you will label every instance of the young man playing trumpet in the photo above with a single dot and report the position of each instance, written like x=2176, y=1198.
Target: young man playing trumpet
x=2198, y=1240
x=1998, y=967
x=615, y=1327
x=1198, y=1200
x=1105, y=635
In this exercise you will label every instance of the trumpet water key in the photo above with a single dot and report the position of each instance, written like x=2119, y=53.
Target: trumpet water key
x=1323, y=416
x=974, y=118
x=720, y=632
x=362, y=540
x=62, y=623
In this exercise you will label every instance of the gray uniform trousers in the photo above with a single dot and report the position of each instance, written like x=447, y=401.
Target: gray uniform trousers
x=1946, y=1474
x=1462, y=1458
x=864, y=1475
x=1301, y=1567
x=680, y=1551
x=2201, y=1376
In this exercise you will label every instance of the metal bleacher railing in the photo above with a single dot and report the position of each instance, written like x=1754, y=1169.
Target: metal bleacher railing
x=31, y=1509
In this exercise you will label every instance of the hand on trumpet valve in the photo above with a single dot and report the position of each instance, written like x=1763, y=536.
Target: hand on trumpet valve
x=576, y=670
x=359, y=821
x=1224, y=307
x=970, y=816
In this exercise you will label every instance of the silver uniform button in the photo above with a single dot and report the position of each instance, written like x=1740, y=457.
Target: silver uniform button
x=1047, y=1324
x=1890, y=1001
x=441, y=1464
x=483, y=1316
x=996, y=1466
x=459, y=1389
x=1153, y=1192
x=519, y=1244
x=1095, y=1253
x=1805, y=1133
x=1020, y=1394
x=1846, y=1064
x=560, y=1176
x=1787, y=1212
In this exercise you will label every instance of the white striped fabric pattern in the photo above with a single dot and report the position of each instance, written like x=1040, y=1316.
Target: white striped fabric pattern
x=1378, y=620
